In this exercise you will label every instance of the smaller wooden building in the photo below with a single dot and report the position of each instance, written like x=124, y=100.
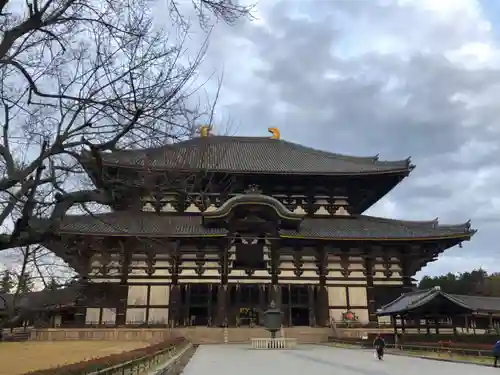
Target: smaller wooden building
x=46, y=308
x=436, y=309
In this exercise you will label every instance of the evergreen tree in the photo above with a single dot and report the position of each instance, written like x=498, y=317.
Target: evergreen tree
x=6, y=282
x=52, y=284
x=25, y=283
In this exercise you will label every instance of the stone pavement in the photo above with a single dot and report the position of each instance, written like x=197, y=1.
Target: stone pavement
x=316, y=360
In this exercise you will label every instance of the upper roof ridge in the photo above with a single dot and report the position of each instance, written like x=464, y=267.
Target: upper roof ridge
x=196, y=141
x=256, y=155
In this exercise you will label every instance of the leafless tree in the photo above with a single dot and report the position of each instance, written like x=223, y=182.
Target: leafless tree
x=95, y=75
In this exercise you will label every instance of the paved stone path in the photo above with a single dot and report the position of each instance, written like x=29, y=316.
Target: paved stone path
x=317, y=360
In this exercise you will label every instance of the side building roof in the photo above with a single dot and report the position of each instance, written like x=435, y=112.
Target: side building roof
x=164, y=225
x=44, y=299
x=419, y=299
x=251, y=155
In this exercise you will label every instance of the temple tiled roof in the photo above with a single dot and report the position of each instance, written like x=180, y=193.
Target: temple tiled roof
x=354, y=227
x=417, y=299
x=252, y=155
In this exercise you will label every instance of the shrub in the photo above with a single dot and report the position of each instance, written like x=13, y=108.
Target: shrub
x=97, y=364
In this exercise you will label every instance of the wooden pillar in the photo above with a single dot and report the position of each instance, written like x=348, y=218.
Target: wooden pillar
x=323, y=311
x=289, y=317
x=403, y=324
x=370, y=289
x=454, y=324
x=427, y=326
x=175, y=306
x=175, y=303
x=222, y=306
x=311, y=305
x=436, y=321
x=466, y=323
x=121, y=309
x=222, y=318
x=262, y=303
x=405, y=263
x=275, y=291
x=187, y=304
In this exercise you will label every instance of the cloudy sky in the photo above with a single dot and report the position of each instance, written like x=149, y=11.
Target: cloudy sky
x=401, y=78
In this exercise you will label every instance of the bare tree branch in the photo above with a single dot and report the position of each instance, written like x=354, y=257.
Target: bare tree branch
x=83, y=77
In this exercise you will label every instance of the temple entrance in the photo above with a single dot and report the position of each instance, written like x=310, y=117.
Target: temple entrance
x=198, y=301
x=198, y=316
x=300, y=316
x=246, y=300
x=297, y=299
x=248, y=316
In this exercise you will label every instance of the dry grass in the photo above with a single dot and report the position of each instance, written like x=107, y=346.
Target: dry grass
x=17, y=358
x=454, y=357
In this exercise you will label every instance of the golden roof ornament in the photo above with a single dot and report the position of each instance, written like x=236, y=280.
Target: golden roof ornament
x=205, y=130
x=275, y=133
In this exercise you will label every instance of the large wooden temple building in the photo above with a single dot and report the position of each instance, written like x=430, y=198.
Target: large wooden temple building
x=210, y=230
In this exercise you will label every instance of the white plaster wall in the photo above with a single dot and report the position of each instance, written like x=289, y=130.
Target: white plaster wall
x=159, y=294
x=137, y=295
x=92, y=315
x=135, y=315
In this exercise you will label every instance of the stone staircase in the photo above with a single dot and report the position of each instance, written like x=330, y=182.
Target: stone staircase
x=17, y=334
x=206, y=335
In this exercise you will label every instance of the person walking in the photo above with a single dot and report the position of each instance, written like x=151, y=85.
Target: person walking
x=496, y=353
x=379, y=345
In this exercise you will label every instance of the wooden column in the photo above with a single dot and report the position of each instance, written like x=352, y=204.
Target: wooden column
x=394, y=322
x=222, y=318
x=322, y=310
x=175, y=305
x=175, y=293
x=81, y=300
x=275, y=290
x=370, y=289
x=311, y=305
x=222, y=306
x=263, y=303
x=405, y=264
x=121, y=309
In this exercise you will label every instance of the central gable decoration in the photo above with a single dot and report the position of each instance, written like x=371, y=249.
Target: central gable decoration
x=252, y=210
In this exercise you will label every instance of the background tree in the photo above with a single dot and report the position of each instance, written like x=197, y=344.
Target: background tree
x=52, y=284
x=24, y=283
x=6, y=282
x=476, y=282
x=95, y=75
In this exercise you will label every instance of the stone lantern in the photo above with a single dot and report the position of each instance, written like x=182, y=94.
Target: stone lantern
x=272, y=319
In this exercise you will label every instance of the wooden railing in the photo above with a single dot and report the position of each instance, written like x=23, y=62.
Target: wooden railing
x=277, y=343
